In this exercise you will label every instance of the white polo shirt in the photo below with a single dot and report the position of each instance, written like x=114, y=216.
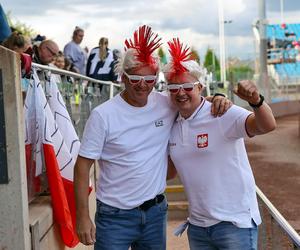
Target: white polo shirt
x=211, y=160
x=131, y=146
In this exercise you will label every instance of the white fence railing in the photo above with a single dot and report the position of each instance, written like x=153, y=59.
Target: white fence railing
x=275, y=232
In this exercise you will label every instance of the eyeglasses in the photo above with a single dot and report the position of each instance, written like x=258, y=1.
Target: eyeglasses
x=136, y=79
x=51, y=51
x=187, y=87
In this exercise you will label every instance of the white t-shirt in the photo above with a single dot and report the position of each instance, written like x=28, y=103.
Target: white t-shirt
x=211, y=160
x=131, y=146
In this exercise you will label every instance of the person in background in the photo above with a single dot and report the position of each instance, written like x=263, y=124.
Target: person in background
x=117, y=56
x=15, y=42
x=101, y=63
x=210, y=157
x=18, y=43
x=59, y=60
x=128, y=135
x=74, y=53
x=45, y=52
x=38, y=39
x=28, y=46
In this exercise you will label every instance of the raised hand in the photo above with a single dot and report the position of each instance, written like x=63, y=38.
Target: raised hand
x=247, y=90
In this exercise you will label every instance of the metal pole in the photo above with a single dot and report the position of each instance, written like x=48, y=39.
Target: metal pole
x=111, y=91
x=281, y=11
x=222, y=43
x=263, y=70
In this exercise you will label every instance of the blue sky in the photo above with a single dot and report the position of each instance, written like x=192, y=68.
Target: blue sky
x=194, y=21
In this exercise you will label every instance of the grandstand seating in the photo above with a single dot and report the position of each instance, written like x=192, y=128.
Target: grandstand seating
x=284, y=50
x=283, y=42
x=276, y=31
x=288, y=69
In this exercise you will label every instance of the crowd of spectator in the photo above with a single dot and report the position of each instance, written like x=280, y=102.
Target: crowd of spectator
x=98, y=64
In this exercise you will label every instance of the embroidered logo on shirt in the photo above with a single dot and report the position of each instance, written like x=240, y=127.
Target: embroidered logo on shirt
x=159, y=123
x=202, y=140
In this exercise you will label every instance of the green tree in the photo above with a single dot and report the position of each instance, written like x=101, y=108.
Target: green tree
x=211, y=63
x=162, y=56
x=237, y=73
x=20, y=27
x=195, y=55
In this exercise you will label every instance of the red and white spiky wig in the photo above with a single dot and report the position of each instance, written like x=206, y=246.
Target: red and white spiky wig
x=139, y=51
x=182, y=62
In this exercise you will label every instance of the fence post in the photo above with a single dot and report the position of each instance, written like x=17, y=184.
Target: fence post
x=111, y=90
x=14, y=226
x=299, y=122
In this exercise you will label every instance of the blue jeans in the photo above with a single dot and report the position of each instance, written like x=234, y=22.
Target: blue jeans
x=222, y=236
x=119, y=229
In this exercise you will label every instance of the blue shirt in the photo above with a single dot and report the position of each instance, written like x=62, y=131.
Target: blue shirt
x=76, y=55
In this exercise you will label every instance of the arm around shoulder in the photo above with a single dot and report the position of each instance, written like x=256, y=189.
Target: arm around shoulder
x=220, y=104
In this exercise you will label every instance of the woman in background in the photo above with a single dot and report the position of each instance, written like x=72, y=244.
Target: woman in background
x=20, y=44
x=100, y=64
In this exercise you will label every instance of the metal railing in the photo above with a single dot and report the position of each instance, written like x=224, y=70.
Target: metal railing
x=77, y=76
x=275, y=233
x=81, y=93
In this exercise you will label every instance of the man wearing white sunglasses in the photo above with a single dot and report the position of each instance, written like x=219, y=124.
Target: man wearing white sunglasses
x=217, y=177
x=128, y=135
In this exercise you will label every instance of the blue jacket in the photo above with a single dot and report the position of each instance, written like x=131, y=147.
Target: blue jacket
x=101, y=70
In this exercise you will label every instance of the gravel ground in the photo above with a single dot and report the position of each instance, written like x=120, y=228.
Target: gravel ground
x=274, y=158
x=174, y=242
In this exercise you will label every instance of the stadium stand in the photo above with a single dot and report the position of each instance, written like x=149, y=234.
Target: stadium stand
x=283, y=54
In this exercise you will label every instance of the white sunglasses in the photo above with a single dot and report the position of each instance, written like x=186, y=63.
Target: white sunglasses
x=136, y=79
x=187, y=87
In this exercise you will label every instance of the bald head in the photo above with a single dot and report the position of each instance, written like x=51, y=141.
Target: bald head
x=48, y=50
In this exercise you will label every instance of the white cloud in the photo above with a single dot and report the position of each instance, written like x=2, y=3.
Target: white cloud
x=239, y=6
x=194, y=21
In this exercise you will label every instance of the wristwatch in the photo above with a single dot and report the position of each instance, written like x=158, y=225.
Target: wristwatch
x=255, y=106
x=217, y=94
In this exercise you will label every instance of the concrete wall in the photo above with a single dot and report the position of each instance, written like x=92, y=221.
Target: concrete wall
x=285, y=108
x=14, y=229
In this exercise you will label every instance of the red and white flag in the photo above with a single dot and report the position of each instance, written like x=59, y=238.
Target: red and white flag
x=55, y=144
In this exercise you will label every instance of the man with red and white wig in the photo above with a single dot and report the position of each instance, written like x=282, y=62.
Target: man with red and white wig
x=217, y=177
x=128, y=135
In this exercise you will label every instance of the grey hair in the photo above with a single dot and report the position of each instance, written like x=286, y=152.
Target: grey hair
x=129, y=62
x=193, y=68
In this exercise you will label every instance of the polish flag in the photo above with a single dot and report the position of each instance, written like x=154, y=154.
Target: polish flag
x=54, y=143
